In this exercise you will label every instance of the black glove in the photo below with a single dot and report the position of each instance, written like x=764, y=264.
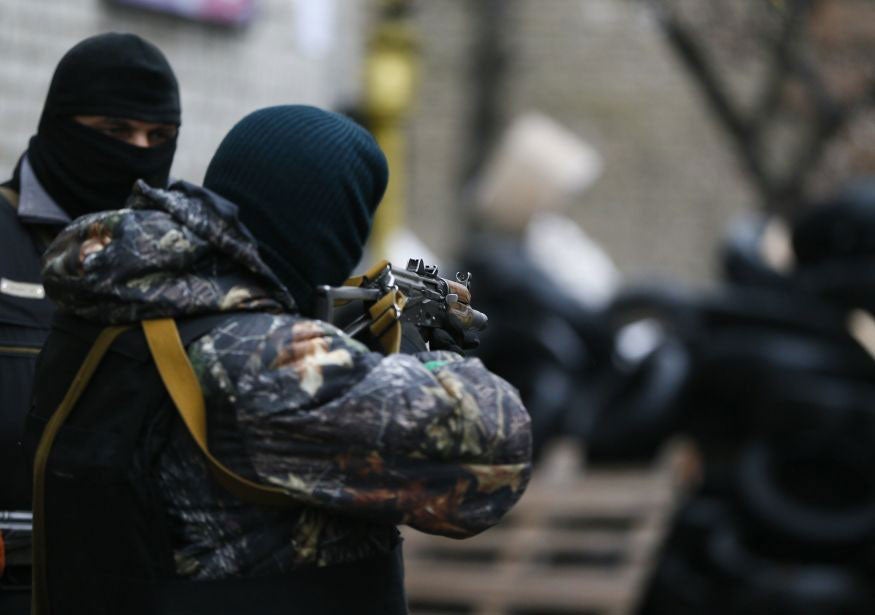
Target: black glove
x=411, y=339
x=444, y=340
x=454, y=337
x=470, y=339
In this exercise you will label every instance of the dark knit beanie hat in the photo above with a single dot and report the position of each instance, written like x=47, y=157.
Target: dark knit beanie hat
x=117, y=75
x=307, y=183
x=114, y=75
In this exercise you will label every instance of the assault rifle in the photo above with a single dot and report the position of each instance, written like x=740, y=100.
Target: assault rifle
x=368, y=306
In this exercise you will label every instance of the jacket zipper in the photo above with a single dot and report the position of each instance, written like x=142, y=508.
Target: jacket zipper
x=22, y=350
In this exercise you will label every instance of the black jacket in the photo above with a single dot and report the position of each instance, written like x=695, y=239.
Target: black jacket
x=104, y=519
x=25, y=316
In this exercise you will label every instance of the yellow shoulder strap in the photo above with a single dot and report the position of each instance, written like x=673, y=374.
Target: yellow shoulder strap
x=385, y=314
x=39, y=589
x=385, y=317
x=185, y=391
x=10, y=195
x=181, y=382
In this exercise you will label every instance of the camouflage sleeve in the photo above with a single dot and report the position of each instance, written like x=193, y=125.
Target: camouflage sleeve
x=433, y=441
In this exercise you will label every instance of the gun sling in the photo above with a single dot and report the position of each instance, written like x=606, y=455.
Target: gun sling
x=177, y=374
x=385, y=313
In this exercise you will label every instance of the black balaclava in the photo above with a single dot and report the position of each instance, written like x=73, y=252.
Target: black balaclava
x=116, y=75
x=307, y=183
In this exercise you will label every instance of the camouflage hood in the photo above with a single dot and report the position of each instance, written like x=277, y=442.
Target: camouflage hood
x=173, y=252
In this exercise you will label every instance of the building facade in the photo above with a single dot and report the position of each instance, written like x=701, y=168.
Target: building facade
x=292, y=51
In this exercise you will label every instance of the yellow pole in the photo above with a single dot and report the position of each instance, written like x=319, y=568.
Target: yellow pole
x=390, y=81
x=391, y=214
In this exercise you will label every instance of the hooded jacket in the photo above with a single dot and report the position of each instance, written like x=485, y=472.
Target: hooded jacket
x=363, y=441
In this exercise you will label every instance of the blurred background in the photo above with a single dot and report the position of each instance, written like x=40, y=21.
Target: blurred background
x=669, y=211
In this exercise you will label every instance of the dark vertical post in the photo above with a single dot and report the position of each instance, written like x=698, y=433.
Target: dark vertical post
x=489, y=62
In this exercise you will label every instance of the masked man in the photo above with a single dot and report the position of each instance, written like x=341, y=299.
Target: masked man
x=311, y=447
x=111, y=117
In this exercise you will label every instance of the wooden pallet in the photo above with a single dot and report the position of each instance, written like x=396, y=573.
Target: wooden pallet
x=577, y=543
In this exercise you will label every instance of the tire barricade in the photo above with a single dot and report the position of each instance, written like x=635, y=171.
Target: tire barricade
x=763, y=374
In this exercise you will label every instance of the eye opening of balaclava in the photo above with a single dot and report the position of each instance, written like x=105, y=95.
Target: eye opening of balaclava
x=114, y=75
x=307, y=183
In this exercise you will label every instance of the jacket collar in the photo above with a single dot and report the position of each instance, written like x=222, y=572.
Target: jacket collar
x=35, y=206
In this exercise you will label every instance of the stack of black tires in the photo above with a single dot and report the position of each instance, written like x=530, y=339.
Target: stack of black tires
x=539, y=338
x=781, y=402
x=771, y=375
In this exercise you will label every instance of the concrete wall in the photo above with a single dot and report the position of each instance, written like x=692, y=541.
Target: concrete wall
x=603, y=69
x=437, y=129
x=223, y=74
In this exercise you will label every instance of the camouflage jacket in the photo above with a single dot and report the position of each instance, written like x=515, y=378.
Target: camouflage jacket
x=363, y=441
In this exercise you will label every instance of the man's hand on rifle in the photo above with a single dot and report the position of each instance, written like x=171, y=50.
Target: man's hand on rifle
x=454, y=337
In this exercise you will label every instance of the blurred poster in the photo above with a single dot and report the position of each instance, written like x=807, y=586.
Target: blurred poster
x=225, y=12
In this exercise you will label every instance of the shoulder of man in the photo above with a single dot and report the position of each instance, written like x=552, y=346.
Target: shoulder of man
x=258, y=357
x=41, y=234
x=16, y=235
